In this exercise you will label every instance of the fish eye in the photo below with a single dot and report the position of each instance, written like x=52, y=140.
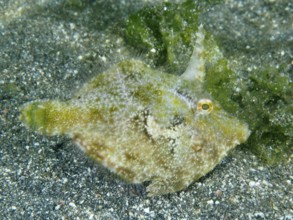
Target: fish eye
x=204, y=106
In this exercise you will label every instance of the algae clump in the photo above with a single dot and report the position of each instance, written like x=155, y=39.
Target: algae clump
x=264, y=101
x=165, y=33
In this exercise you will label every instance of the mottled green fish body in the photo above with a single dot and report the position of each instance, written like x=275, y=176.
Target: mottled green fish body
x=144, y=125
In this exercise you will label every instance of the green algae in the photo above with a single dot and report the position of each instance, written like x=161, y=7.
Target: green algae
x=270, y=93
x=164, y=33
x=263, y=98
x=75, y=4
x=264, y=101
x=8, y=90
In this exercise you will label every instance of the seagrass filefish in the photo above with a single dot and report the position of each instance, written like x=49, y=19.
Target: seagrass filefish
x=143, y=124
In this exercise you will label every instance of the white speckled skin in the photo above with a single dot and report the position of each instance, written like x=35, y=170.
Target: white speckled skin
x=144, y=125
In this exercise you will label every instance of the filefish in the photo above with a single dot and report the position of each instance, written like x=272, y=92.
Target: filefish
x=144, y=124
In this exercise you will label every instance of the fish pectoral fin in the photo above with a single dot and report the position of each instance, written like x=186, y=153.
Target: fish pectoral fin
x=156, y=131
x=165, y=186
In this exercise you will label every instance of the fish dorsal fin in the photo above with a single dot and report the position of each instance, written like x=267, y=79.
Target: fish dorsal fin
x=195, y=69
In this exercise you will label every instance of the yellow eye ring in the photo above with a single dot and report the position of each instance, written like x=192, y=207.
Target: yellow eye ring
x=204, y=106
